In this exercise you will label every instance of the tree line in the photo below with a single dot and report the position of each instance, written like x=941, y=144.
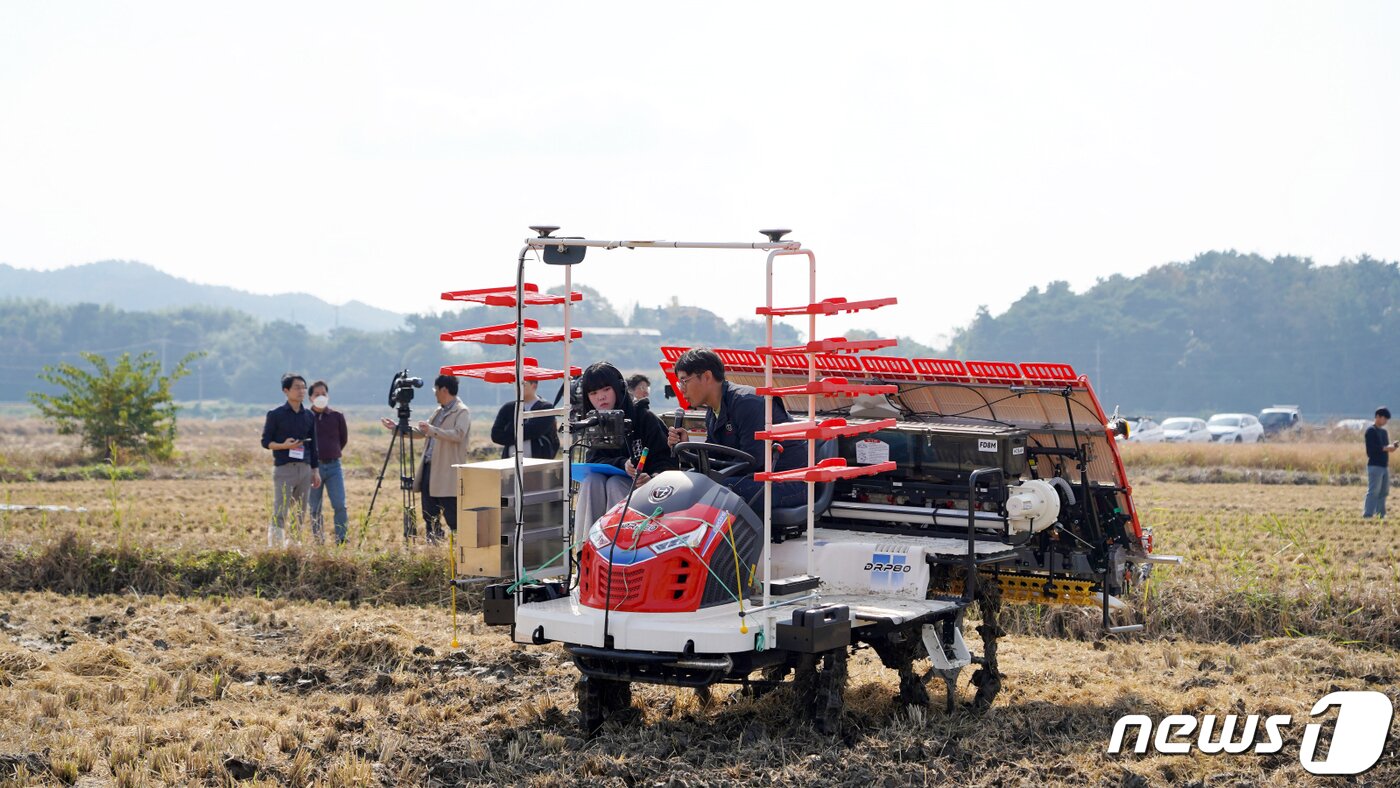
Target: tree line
x=1224, y=331
x=244, y=358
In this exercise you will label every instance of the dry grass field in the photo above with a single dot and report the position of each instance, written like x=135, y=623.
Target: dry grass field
x=158, y=691
x=255, y=672
x=1333, y=458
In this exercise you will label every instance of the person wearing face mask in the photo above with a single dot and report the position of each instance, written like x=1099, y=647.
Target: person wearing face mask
x=603, y=388
x=331, y=437
x=447, y=431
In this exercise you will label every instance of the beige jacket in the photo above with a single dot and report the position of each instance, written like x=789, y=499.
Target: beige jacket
x=450, y=438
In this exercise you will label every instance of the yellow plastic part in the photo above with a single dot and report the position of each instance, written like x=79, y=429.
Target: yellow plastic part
x=451, y=574
x=1031, y=589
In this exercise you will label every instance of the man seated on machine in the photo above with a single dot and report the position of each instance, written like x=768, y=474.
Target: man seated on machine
x=733, y=414
x=603, y=389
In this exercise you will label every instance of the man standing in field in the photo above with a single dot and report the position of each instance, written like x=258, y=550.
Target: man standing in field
x=290, y=432
x=1378, y=451
x=331, y=437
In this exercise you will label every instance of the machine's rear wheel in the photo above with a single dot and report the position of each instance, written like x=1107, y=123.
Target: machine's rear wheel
x=912, y=691
x=987, y=679
x=772, y=677
x=898, y=651
x=820, y=689
x=598, y=698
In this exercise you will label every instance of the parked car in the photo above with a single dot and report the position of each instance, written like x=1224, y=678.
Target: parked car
x=1183, y=429
x=1353, y=424
x=1143, y=430
x=1235, y=428
x=1280, y=418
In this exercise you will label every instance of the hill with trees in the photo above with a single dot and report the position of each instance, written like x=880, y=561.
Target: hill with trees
x=245, y=357
x=1225, y=331
x=137, y=286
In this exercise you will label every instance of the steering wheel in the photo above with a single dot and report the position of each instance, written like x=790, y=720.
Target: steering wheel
x=714, y=460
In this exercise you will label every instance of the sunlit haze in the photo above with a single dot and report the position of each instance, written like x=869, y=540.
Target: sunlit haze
x=952, y=155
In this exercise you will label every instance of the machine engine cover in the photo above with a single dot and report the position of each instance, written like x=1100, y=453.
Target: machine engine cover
x=945, y=453
x=687, y=543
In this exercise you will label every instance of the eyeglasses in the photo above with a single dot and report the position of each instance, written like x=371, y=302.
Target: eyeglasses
x=685, y=381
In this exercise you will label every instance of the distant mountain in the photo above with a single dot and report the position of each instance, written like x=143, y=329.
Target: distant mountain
x=139, y=287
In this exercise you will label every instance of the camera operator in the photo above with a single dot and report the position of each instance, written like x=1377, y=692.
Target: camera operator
x=603, y=389
x=447, y=432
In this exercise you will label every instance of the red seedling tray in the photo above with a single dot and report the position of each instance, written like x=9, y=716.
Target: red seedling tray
x=832, y=345
x=505, y=296
x=822, y=430
x=825, y=471
x=504, y=371
x=828, y=387
x=827, y=306
x=504, y=334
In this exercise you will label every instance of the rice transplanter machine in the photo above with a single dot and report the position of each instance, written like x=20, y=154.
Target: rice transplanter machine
x=931, y=484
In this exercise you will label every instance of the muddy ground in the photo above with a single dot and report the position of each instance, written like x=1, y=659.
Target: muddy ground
x=147, y=691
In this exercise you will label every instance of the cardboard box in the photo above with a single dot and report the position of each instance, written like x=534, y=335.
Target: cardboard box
x=486, y=517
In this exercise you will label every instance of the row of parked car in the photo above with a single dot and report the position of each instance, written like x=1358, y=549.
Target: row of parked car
x=1220, y=428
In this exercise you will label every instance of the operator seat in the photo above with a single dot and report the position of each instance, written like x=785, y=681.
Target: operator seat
x=790, y=521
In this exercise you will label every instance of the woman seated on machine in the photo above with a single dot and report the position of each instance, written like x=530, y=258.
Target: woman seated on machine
x=603, y=389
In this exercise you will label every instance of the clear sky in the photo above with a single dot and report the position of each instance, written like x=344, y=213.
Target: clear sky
x=950, y=154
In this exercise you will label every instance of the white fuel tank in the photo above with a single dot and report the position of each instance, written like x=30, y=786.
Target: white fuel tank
x=1031, y=506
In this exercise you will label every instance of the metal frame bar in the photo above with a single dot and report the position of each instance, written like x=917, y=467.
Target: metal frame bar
x=566, y=442
x=541, y=243
x=970, y=563
x=768, y=424
x=775, y=248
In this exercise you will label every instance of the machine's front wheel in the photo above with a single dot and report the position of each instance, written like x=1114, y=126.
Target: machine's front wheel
x=820, y=689
x=598, y=698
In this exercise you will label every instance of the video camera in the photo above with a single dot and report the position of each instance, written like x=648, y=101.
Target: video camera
x=401, y=393
x=401, y=388
x=601, y=429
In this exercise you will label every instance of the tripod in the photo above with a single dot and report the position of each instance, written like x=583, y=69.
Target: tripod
x=403, y=438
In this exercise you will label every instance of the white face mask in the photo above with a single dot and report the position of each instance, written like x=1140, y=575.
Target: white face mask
x=321, y=402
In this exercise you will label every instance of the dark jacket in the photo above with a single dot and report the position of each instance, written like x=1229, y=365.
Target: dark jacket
x=331, y=434
x=542, y=433
x=1376, y=440
x=646, y=431
x=740, y=416
x=283, y=424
